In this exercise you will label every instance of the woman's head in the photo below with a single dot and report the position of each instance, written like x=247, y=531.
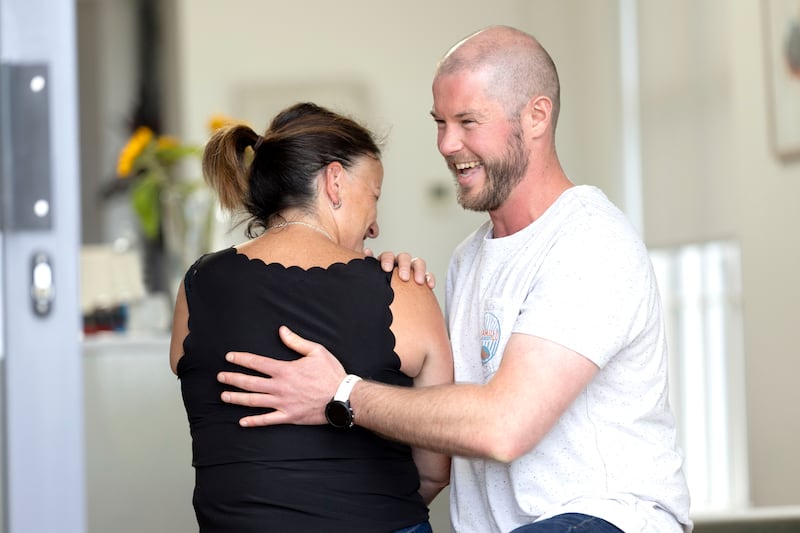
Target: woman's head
x=287, y=161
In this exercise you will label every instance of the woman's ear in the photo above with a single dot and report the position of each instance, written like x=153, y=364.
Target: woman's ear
x=334, y=180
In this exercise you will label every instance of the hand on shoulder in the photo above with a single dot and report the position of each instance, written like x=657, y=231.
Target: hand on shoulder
x=406, y=266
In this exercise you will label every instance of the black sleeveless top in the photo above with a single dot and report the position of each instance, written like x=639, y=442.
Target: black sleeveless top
x=292, y=478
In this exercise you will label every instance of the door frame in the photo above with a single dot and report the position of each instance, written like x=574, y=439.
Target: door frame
x=41, y=393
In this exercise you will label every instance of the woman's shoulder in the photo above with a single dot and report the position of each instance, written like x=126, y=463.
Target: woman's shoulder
x=213, y=257
x=222, y=267
x=420, y=332
x=419, y=300
x=208, y=261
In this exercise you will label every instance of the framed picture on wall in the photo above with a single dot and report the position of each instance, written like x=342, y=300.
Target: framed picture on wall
x=782, y=30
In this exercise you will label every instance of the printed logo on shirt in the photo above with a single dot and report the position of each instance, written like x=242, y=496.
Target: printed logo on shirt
x=490, y=337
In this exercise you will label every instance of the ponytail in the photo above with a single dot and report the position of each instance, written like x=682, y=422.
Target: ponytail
x=225, y=165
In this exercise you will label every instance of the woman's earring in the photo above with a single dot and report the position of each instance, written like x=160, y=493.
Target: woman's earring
x=338, y=204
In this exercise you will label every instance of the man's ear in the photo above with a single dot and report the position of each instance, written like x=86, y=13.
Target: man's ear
x=334, y=178
x=538, y=115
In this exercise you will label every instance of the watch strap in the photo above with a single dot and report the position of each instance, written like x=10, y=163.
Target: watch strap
x=345, y=388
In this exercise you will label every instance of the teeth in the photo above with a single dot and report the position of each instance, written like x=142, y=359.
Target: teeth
x=463, y=166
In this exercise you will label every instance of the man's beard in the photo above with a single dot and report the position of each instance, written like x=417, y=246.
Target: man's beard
x=502, y=175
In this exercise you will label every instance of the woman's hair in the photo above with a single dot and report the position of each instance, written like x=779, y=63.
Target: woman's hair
x=281, y=173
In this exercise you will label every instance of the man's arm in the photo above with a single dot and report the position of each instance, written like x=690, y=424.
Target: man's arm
x=503, y=419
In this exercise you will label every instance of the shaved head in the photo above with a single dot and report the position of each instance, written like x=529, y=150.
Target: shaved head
x=519, y=68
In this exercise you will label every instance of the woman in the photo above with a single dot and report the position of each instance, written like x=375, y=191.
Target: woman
x=310, y=188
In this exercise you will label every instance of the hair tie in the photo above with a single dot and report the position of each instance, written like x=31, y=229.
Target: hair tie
x=258, y=143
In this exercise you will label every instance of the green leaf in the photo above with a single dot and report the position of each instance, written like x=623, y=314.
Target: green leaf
x=173, y=154
x=146, y=202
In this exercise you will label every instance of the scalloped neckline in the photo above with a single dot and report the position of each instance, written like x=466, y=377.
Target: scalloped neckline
x=336, y=265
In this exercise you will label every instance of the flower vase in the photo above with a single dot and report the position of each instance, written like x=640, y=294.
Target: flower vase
x=186, y=226
x=154, y=264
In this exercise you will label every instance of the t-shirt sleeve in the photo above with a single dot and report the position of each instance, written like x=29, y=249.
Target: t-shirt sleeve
x=591, y=290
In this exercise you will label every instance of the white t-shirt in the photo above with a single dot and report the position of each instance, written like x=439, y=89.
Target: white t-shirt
x=579, y=276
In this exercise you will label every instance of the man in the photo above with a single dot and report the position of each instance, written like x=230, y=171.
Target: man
x=559, y=418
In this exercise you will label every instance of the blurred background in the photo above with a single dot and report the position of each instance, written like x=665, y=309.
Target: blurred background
x=686, y=113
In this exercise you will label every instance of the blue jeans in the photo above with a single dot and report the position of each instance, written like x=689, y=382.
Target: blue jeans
x=570, y=522
x=422, y=527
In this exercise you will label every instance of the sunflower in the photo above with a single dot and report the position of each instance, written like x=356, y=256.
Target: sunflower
x=147, y=161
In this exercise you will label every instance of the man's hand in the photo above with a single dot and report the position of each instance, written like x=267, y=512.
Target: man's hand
x=297, y=390
x=405, y=265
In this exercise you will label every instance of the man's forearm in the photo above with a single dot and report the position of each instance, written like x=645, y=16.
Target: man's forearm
x=445, y=418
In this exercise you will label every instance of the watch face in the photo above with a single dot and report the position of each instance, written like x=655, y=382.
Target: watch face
x=339, y=414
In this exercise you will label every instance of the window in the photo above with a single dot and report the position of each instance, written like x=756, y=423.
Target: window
x=701, y=293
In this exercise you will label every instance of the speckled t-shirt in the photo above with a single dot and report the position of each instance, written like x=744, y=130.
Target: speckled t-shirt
x=581, y=277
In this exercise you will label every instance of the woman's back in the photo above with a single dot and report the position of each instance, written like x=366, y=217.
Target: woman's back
x=345, y=305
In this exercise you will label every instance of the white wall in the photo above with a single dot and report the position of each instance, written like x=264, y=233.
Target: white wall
x=391, y=50
x=108, y=87
x=710, y=172
x=139, y=473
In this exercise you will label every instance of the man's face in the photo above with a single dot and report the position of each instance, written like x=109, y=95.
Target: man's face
x=483, y=148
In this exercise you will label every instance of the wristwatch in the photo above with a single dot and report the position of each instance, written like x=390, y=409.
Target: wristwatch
x=338, y=411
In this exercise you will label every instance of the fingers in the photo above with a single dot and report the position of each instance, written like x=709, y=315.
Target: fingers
x=297, y=343
x=266, y=419
x=387, y=261
x=318, y=361
x=405, y=264
x=297, y=390
x=247, y=382
x=259, y=363
x=420, y=274
x=248, y=399
x=369, y=252
x=262, y=401
x=286, y=412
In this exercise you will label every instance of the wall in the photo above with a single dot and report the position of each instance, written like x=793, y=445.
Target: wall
x=710, y=172
x=391, y=49
x=139, y=474
x=107, y=93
